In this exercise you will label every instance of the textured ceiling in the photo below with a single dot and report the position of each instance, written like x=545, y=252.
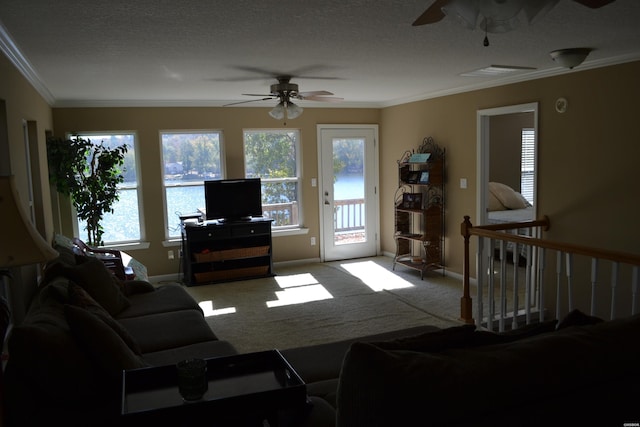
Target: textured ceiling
x=195, y=52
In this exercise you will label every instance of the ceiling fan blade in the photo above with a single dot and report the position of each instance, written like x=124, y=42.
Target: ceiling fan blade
x=244, y=102
x=594, y=4
x=260, y=94
x=313, y=93
x=321, y=98
x=433, y=13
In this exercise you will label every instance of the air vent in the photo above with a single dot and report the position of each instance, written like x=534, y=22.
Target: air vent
x=496, y=70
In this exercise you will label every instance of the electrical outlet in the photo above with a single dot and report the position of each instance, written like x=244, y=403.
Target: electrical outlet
x=313, y=241
x=170, y=254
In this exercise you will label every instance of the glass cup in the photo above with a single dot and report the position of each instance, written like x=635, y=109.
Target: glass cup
x=192, y=378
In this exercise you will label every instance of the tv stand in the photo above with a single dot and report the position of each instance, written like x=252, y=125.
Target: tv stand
x=224, y=251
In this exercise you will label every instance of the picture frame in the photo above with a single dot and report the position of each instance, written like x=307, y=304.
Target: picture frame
x=412, y=200
x=424, y=177
x=412, y=177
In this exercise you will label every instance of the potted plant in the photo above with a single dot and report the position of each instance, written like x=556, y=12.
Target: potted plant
x=89, y=174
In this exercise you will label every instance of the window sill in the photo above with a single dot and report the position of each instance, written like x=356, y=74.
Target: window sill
x=128, y=246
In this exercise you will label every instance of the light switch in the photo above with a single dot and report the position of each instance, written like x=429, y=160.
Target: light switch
x=314, y=182
x=463, y=182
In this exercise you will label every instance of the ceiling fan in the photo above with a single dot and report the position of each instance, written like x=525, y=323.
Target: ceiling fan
x=494, y=16
x=285, y=91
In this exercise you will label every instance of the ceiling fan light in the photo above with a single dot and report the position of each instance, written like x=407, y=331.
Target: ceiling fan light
x=278, y=111
x=293, y=110
x=570, y=58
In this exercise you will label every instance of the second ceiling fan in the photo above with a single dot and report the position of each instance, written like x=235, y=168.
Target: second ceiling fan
x=285, y=92
x=494, y=16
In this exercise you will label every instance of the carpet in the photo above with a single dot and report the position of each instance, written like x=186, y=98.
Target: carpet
x=323, y=302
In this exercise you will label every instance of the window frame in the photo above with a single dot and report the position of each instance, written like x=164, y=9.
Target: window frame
x=130, y=244
x=284, y=229
x=169, y=238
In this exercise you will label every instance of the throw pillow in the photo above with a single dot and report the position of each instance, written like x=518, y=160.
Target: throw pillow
x=493, y=203
x=80, y=298
x=98, y=281
x=578, y=318
x=507, y=196
x=109, y=352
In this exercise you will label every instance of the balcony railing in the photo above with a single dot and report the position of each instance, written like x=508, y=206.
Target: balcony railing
x=348, y=214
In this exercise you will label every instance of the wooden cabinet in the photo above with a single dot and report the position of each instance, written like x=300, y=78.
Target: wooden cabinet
x=224, y=251
x=419, y=208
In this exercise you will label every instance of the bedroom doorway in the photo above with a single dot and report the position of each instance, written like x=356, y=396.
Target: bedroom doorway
x=491, y=165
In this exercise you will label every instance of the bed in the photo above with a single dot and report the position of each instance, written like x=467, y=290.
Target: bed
x=505, y=205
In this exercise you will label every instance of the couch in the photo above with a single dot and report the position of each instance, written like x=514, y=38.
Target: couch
x=581, y=369
x=82, y=328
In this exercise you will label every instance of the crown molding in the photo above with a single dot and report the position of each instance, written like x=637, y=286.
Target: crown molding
x=12, y=52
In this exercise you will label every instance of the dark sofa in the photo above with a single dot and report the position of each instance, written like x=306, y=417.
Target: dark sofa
x=580, y=369
x=83, y=327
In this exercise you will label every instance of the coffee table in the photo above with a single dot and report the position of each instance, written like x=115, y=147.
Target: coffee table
x=245, y=389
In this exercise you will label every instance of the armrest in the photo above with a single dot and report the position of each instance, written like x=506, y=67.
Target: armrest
x=111, y=258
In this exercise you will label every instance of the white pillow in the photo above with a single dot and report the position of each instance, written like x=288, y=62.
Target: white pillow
x=494, y=204
x=510, y=198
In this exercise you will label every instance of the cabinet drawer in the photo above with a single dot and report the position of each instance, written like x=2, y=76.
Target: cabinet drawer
x=208, y=233
x=250, y=230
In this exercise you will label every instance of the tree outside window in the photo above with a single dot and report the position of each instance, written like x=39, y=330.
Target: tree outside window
x=273, y=156
x=188, y=158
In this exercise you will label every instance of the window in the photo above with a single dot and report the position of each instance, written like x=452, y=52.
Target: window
x=273, y=156
x=188, y=159
x=123, y=225
x=527, y=164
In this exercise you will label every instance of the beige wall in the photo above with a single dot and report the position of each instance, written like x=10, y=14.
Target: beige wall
x=587, y=180
x=588, y=156
x=24, y=103
x=148, y=122
x=505, y=147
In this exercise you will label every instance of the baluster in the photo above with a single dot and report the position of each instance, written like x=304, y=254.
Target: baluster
x=569, y=265
x=480, y=281
x=503, y=284
x=527, y=289
x=634, y=289
x=558, y=282
x=614, y=284
x=541, y=266
x=516, y=256
x=594, y=281
x=490, y=285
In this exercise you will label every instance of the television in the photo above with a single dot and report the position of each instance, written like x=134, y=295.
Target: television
x=233, y=199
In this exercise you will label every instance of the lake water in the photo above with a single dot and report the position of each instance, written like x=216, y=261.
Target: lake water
x=122, y=224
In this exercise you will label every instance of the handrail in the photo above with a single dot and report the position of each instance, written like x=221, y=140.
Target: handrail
x=497, y=231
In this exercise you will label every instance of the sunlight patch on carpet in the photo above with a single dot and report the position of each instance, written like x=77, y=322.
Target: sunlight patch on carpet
x=375, y=276
x=292, y=280
x=207, y=307
x=298, y=289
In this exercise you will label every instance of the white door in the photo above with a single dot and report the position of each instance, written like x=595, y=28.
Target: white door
x=348, y=164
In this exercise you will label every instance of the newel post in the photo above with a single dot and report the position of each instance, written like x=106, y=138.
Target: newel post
x=466, y=303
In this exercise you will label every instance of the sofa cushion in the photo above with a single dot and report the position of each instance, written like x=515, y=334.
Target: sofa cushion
x=162, y=299
x=323, y=361
x=162, y=331
x=98, y=281
x=45, y=355
x=80, y=298
x=103, y=344
x=380, y=387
